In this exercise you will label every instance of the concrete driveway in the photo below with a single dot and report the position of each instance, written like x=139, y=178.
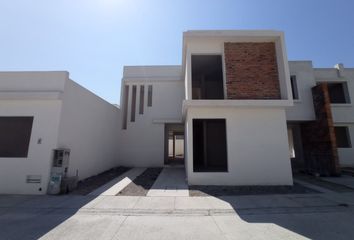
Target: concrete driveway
x=297, y=216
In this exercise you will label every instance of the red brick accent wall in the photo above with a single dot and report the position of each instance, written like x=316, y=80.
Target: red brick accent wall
x=318, y=137
x=251, y=70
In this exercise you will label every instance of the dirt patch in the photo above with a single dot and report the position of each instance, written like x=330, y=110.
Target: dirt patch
x=197, y=191
x=142, y=184
x=89, y=184
x=322, y=183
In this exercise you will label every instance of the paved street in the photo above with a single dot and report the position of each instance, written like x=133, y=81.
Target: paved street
x=297, y=216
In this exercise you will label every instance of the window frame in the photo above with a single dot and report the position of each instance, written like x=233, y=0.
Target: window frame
x=223, y=72
x=347, y=136
x=346, y=92
x=226, y=147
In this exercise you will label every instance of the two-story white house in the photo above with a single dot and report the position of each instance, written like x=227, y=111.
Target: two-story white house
x=227, y=103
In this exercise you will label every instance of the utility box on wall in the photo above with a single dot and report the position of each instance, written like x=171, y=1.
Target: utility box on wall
x=59, y=181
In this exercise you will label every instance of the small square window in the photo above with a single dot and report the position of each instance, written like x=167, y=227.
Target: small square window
x=342, y=137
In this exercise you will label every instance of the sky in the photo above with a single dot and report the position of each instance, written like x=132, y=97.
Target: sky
x=94, y=39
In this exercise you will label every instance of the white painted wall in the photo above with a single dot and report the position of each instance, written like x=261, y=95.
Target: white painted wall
x=257, y=143
x=65, y=115
x=303, y=109
x=38, y=95
x=143, y=140
x=13, y=171
x=89, y=127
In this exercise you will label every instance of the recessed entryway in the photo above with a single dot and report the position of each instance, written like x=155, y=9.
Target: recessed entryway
x=174, y=144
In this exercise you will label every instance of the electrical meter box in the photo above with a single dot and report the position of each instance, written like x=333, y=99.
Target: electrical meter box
x=59, y=170
x=61, y=158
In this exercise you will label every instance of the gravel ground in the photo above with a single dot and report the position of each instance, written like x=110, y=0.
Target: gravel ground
x=197, y=191
x=322, y=183
x=89, y=184
x=142, y=184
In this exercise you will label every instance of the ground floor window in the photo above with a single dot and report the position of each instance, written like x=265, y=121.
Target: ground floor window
x=342, y=137
x=15, y=134
x=209, y=145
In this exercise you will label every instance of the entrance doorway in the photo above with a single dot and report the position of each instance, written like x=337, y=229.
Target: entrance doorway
x=174, y=144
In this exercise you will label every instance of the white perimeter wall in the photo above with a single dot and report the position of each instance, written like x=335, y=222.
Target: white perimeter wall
x=89, y=128
x=13, y=171
x=257, y=143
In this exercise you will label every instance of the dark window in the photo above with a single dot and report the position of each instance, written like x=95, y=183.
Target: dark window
x=125, y=106
x=342, y=137
x=209, y=145
x=207, y=77
x=15, y=135
x=132, y=114
x=149, y=96
x=294, y=88
x=338, y=92
x=141, y=101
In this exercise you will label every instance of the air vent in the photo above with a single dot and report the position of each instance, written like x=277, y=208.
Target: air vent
x=33, y=179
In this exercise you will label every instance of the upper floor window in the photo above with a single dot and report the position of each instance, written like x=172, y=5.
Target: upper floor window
x=294, y=88
x=338, y=92
x=207, y=77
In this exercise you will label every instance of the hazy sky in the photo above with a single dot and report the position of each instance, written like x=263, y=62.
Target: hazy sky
x=94, y=39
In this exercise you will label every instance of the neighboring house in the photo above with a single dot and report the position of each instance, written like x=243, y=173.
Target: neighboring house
x=236, y=112
x=42, y=111
x=321, y=122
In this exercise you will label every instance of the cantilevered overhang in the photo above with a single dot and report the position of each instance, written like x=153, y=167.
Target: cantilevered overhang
x=234, y=104
x=212, y=42
x=228, y=35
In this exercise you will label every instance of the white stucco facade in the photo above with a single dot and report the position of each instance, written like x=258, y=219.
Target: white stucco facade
x=64, y=115
x=143, y=140
x=156, y=115
x=257, y=148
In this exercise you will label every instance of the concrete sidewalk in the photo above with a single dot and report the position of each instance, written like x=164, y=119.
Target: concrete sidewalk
x=295, y=216
x=171, y=182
